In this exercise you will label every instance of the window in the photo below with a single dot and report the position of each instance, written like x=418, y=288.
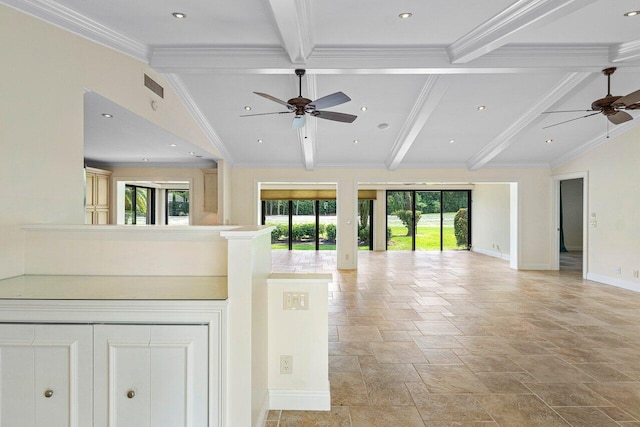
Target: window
x=139, y=205
x=177, y=207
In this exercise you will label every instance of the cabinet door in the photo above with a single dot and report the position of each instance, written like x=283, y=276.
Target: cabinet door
x=89, y=189
x=101, y=216
x=46, y=375
x=150, y=376
x=101, y=196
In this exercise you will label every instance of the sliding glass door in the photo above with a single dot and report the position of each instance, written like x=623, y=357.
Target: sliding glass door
x=428, y=220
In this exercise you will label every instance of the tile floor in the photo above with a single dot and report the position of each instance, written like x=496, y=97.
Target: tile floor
x=459, y=339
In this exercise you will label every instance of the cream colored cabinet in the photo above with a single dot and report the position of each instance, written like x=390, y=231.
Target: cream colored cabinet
x=104, y=375
x=151, y=375
x=45, y=375
x=97, y=196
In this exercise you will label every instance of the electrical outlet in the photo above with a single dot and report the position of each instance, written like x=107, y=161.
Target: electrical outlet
x=636, y=274
x=619, y=270
x=286, y=364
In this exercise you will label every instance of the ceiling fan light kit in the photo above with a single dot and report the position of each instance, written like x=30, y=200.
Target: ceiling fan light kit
x=611, y=106
x=302, y=106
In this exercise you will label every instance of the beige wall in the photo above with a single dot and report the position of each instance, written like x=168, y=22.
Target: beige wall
x=614, y=197
x=44, y=74
x=534, y=191
x=490, y=220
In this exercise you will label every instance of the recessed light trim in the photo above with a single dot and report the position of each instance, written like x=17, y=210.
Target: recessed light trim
x=173, y=145
x=192, y=153
x=363, y=108
x=355, y=141
x=260, y=141
x=179, y=15
x=451, y=141
x=247, y=107
x=145, y=160
x=482, y=107
x=383, y=126
x=405, y=15
x=107, y=115
x=549, y=141
x=632, y=13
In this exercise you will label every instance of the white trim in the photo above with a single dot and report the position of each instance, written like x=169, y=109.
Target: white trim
x=612, y=281
x=535, y=267
x=68, y=19
x=293, y=20
x=493, y=254
x=300, y=400
x=627, y=51
x=573, y=248
x=428, y=99
x=496, y=31
x=264, y=412
x=503, y=141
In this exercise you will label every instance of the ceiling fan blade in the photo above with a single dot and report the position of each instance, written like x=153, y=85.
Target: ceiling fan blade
x=566, y=111
x=336, y=117
x=620, y=117
x=633, y=106
x=264, y=114
x=567, y=121
x=272, y=98
x=298, y=121
x=627, y=100
x=330, y=100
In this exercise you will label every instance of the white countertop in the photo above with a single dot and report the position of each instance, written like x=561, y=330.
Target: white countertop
x=45, y=287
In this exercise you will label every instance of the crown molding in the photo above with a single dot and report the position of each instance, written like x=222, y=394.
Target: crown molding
x=428, y=99
x=61, y=16
x=629, y=51
x=507, y=137
x=433, y=165
x=495, y=32
x=593, y=143
x=187, y=99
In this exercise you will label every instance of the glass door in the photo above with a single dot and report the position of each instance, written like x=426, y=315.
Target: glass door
x=456, y=227
x=428, y=220
x=400, y=222
x=327, y=224
x=276, y=213
x=303, y=233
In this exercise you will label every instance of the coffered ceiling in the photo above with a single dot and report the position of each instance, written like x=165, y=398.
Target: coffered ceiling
x=421, y=79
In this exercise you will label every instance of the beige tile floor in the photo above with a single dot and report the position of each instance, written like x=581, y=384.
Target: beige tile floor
x=460, y=339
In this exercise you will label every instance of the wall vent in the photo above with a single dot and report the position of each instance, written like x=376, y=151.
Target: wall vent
x=154, y=86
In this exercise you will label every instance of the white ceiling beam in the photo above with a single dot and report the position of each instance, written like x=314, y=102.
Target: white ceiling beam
x=629, y=51
x=293, y=18
x=187, y=99
x=428, y=99
x=308, y=133
x=358, y=60
x=496, y=32
x=533, y=115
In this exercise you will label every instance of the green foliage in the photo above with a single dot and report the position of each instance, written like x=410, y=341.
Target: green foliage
x=461, y=227
x=406, y=216
x=303, y=232
x=279, y=232
x=331, y=232
x=363, y=236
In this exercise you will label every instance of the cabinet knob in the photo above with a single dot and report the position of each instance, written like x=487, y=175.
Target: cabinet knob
x=131, y=394
x=48, y=393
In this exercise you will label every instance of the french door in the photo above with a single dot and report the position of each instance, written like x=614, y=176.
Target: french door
x=433, y=220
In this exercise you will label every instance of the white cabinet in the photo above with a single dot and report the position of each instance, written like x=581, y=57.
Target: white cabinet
x=45, y=375
x=103, y=375
x=150, y=375
x=97, y=196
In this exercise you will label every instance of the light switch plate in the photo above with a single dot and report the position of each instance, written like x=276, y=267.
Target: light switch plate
x=295, y=300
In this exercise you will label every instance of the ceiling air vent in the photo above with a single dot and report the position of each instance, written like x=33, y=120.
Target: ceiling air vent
x=154, y=86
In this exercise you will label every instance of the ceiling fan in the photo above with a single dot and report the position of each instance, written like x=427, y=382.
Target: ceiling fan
x=301, y=106
x=611, y=106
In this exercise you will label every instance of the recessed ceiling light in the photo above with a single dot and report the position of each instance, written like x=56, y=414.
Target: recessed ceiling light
x=145, y=160
x=198, y=155
x=405, y=15
x=192, y=153
x=363, y=108
x=247, y=107
x=451, y=141
x=355, y=141
x=173, y=145
x=179, y=15
x=107, y=115
x=260, y=141
x=383, y=126
x=482, y=107
x=548, y=141
x=632, y=13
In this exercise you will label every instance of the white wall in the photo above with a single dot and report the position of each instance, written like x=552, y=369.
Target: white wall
x=490, y=220
x=572, y=213
x=44, y=74
x=534, y=191
x=614, y=196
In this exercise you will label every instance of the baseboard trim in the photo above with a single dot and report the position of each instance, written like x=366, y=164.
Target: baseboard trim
x=264, y=412
x=574, y=248
x=612, y=281
x=535, y=267
x=300, y=400
x=494, y=254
